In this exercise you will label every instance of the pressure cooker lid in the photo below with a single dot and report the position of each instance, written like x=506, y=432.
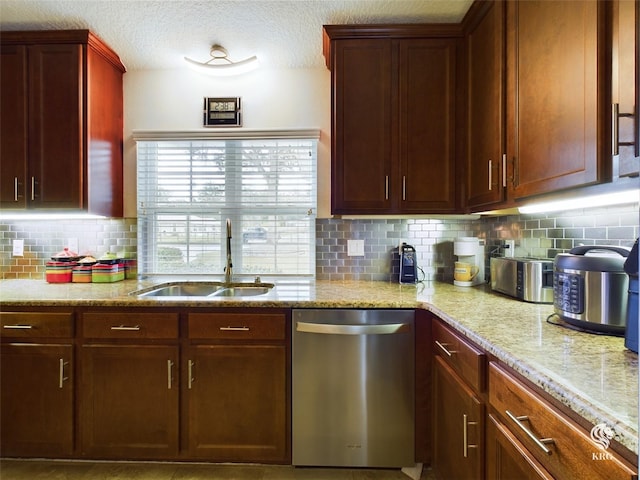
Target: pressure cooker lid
x=594, y=258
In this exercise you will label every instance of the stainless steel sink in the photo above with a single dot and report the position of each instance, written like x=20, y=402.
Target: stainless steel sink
x=186, y=290
x=242, y=291
x=183, y=290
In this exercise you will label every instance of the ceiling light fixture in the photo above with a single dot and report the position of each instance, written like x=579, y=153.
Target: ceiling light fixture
x=221, y=65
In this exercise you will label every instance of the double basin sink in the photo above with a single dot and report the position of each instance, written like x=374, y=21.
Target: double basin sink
x=212, y=290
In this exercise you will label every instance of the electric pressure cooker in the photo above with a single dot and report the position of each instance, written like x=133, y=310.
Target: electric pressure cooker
x=590, y=288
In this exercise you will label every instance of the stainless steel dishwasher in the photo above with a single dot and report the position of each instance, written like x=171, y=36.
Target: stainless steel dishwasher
x=353, y=388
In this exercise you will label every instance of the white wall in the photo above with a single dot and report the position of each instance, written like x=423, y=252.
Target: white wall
x=271, y=98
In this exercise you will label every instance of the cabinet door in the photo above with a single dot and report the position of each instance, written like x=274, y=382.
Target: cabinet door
x=13, y=118
x=556, y=82
x=458, y=422
x=236, y=402
x=507, y=458
x=625, y=90
x=129, y=397
x=36, y=390
x=56, y=103
x=362, y=137
x=486, y=164
x=427, y=124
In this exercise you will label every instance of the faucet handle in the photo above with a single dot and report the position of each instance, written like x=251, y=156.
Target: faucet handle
x=257, y=280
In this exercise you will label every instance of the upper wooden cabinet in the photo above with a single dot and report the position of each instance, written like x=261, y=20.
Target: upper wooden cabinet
x=624, y=87
x=394, y=110
x=486, y=155
x=62, y=119
x=558, y=116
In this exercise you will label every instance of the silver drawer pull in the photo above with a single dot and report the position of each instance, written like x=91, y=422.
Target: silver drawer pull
x=18, y=327
x=190, y=364
x=126, y=329
x=444, y=348
x=465, y=436
x=234, y=329
x=169, y=376
x=540, y=442
x=61, y=377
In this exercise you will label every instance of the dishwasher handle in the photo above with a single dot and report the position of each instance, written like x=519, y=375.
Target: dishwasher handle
x=333, y=329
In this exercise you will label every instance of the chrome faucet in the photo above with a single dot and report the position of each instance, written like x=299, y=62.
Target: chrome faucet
x=228, y=269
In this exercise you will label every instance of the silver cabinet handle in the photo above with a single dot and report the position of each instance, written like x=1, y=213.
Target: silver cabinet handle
x=615, y=130
x=61, y=377
x=615, y=134
x=18, y=327
x=443, y=347
x=386, y=187
x=169, y=370
x=333, y=329
x=504, y=170
x=234, y=329
x=404, y=187
x=33, y=188
x=465, y=436
x=15, y=189
x=490, y=175
x=190, y=364
x=540, y=442
x=126, y=328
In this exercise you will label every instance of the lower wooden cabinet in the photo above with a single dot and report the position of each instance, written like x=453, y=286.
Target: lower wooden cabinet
x=129, y=401
x=36, y=387
x=544, y=435
x=458, y=406
x=236, y=403
x=507, y=458
x=237, y=389
x=458, y=422
x=37, y=383
x=214, y=388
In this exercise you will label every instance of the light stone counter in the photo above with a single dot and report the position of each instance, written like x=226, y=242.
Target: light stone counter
x=594, y=375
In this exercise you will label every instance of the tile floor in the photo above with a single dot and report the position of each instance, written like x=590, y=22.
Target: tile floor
x=65, y=470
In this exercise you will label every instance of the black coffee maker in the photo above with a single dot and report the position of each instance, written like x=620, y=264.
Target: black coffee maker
x=408, y=265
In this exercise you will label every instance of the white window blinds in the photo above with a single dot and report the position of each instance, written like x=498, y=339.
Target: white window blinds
x=188, y=187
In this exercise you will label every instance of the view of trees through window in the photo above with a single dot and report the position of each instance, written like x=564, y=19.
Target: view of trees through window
x=187, y=189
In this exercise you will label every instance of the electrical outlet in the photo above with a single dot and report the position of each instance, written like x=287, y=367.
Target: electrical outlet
x=18, y=247
x=355, y=248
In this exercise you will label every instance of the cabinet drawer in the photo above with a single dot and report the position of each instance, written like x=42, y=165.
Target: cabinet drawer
x=130, y=325
x=559, y=444
x=464, y=358
x=36, y=324
x=237, y=326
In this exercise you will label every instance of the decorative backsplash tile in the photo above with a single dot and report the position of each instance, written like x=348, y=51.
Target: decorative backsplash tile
x=541, y=235
x=432, y=239
x=44, y=238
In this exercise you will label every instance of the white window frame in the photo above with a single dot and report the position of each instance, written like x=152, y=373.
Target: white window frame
x=191, y=218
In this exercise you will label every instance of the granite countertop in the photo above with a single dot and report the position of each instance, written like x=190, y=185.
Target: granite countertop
x=594, y=375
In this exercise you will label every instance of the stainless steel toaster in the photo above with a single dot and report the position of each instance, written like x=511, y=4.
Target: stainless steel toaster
x=528, y=279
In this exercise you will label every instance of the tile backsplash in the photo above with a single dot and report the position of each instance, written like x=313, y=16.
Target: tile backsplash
x=44, y=238
x=541, y=235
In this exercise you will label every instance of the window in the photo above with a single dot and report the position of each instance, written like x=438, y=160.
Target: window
x=188, y=188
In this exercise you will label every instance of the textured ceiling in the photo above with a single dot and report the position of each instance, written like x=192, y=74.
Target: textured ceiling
x=158, y=34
